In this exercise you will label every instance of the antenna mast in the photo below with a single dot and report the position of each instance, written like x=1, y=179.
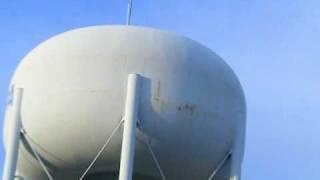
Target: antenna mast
x=129, y=12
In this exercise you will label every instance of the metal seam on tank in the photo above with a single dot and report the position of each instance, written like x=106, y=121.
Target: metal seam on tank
x=33, y=162
x=39, y=147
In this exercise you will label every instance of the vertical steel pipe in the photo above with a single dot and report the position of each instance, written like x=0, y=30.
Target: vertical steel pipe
x=13, y=139
x=129, y=129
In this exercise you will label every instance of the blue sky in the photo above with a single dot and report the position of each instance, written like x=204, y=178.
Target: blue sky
x=272, y=45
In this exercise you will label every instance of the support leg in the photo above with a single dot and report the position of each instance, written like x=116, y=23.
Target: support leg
x=13, y=139
x=129, y=130
x=237, y=154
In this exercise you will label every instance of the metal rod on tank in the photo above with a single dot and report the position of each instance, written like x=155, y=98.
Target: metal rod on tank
x=13, y=139
x=129, y=12
x=129, y=129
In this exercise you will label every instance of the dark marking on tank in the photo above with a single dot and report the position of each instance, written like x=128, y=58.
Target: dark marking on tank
x=187, y=107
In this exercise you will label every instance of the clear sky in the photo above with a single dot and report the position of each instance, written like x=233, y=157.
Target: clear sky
x=272, y=45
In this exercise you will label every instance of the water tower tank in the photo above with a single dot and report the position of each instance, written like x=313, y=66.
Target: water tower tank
x=191, y=108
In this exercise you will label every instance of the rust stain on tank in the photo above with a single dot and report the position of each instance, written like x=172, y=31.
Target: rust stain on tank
x=158, y=91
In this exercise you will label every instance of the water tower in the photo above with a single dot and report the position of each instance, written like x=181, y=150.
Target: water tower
x=124, y=102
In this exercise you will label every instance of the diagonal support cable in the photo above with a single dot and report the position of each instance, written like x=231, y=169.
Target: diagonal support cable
x=36, y=154
x=146, y=140
x=101, y=150
x=156, y=161
x=216, y=170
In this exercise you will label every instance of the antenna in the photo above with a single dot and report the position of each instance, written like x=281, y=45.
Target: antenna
x=129, y=12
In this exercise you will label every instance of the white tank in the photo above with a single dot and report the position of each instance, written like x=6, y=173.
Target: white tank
x=192, y=107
